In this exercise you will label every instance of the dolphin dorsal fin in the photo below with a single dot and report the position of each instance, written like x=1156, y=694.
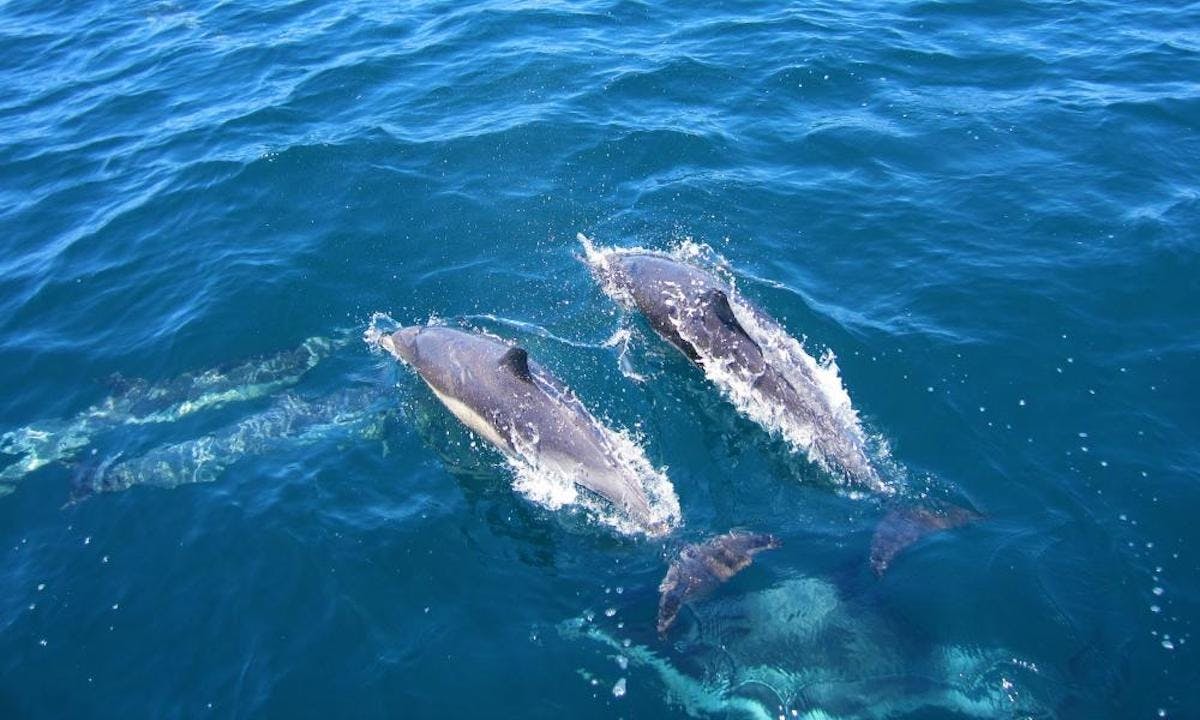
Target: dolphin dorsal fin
x=516, y=360
x=718, y=302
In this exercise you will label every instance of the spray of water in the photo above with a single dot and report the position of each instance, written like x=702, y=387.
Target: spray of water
x=555, y=487
x=823, y=424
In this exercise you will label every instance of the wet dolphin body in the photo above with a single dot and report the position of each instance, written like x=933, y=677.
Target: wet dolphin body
x=702, y=567
x=699, y=314
x=524, y=411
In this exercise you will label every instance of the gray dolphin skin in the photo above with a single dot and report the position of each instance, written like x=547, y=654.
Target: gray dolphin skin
x=703, y=566
x=704, y=318
x=524, y=411
x=904, y=526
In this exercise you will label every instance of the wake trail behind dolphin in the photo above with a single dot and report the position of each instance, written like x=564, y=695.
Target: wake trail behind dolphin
x=139, y=402
x=292, y=421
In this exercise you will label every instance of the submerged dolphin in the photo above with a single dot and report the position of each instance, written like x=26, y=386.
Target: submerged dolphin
x=529, y=415
x=141, y=402
x=746, y=353
x=291, y=421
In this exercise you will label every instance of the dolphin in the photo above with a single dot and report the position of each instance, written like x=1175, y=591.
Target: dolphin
x=702, y=567
x=520, y=408
x=745, y=352
x=140, y=402
x=291, y=421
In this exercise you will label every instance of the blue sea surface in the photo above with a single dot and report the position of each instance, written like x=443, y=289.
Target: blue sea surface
x=987, y=211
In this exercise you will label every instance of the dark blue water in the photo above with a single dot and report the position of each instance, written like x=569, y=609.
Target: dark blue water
x=987, y=211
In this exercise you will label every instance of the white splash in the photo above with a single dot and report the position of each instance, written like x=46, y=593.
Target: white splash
x=621, y=340
x=380, y=325
x=555, y=487
x=833, y=436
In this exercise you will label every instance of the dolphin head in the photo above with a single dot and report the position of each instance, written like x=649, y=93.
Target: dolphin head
x=402, y=344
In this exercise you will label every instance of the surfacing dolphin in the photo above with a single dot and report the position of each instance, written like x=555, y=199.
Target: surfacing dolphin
x=746, y=353
x=529, y=415
x=766, y=374
x=903, y=526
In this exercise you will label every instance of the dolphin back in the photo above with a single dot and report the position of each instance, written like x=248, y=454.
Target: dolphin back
x=522, y=409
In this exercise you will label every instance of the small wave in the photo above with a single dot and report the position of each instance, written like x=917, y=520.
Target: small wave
x=532, y=328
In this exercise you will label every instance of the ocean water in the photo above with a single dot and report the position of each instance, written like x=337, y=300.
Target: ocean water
x=218, y=502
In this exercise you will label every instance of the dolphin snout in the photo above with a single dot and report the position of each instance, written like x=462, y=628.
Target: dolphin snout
x=402, y=343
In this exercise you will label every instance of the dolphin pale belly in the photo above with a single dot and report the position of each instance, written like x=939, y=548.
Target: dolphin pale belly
x=531, y=417
x=747, y=354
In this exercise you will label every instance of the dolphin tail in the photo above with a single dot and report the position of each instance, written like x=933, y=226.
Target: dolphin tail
x=904, y=526
x=701, y=567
